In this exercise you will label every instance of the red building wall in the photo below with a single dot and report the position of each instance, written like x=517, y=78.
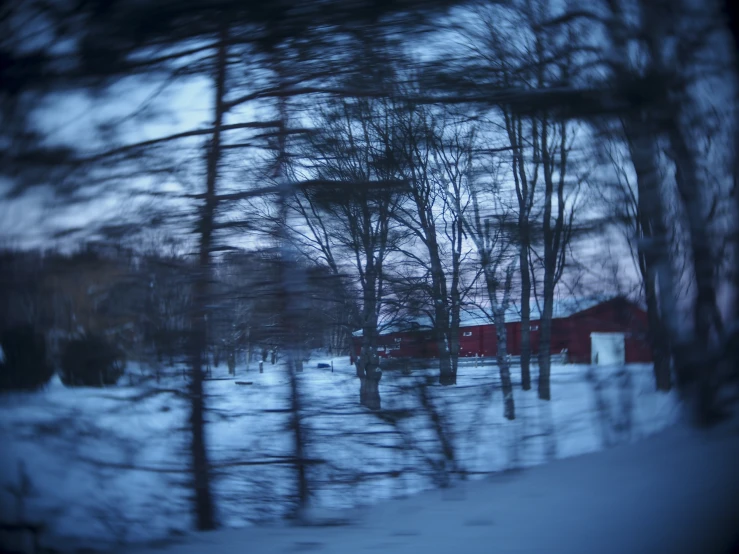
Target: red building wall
x=614, y=316
x=571, y=333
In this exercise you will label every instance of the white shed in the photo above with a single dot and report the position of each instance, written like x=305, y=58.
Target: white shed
x=607, y=348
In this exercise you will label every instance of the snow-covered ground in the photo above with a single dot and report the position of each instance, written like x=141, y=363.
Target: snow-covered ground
x=676, y=493
x=111, y=464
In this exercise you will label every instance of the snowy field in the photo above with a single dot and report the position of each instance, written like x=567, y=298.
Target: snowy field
x=110, y=465
x=676, y=493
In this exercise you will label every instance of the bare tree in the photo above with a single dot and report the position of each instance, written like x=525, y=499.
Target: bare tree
x=453, y=153
x=490, y=233
x=698, y=200
x=654, y=253
x=497, y=56
x=556, y=136
x=557, y=231
x=525, y=176
x=349, y=220
x=628, y=214
x=436, y=176
x=643, y=131
x=509, y=48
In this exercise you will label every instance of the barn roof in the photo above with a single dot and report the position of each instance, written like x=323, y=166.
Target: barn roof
x=473, y=316
x=562, y=308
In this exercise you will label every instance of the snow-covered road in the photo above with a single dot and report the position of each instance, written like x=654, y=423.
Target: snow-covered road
x=677, y=492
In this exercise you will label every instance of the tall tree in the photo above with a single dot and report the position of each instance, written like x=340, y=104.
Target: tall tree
x=556, y=235
x=643, y=130
x=490, y=232
x=421, y=157
x=553, y=64
x=641, y=138
x=627, y=211
x=694, y=190
x=526, y=177
x=351, y=220
x=453, y=154
x=507, y=62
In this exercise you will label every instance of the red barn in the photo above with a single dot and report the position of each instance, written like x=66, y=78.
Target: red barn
x=587, y=331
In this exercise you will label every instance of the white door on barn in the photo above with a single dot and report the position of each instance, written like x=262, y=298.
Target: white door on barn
x=607, y=348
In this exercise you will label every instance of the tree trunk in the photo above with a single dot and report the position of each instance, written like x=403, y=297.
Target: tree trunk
x=509, y=411
x=524, y=192
x=707, y=322
x=292, y=280
x=706, y=314
x=368, y=369
x=491, y=253
x=454, y=318
x=296, y=424
x=441, y=314
x=732, y=13
x=453, y=333
x=455, y=295
x=446, y=372
x=733, y=339
x=369, y=388
x=368, y=363
x=658, y=338
x=454, y=348
x=204, y=508
x=550, y=268
x=499, y=312
x=653, y=247
x=525, y=314
x=545, y=340
x=232, y=362
x=368, y=359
